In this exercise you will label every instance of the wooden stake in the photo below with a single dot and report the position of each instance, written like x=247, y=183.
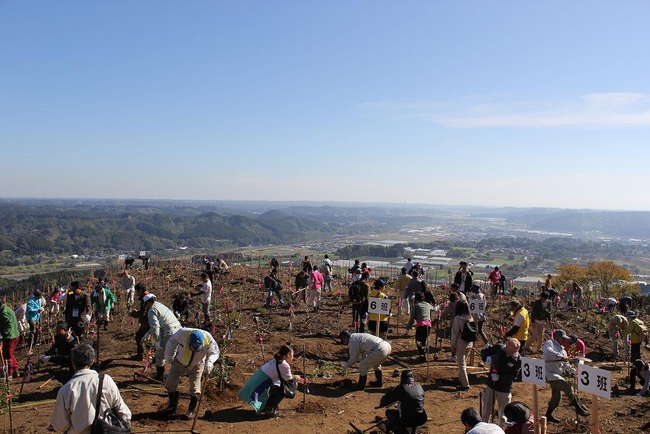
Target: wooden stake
x=594, y=414
x=536, y=409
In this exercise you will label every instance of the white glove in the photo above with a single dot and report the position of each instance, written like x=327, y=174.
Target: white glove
x=88, y=317
x=344, y=365
x=208, y=367
x=495, y=377
x=638, y=395
x=44, y=358
x=488, y=360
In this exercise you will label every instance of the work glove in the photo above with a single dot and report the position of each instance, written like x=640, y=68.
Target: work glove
x=488, y=360
x=208, y=367
x=638, y=395
x=44, y=358
x=495, y=377
x=87, y=317
x=344, y=365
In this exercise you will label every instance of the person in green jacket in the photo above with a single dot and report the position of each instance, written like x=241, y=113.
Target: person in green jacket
x=10, y=336
x=103, y=300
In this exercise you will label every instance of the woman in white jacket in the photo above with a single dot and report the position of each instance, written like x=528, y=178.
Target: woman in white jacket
x=458, y=344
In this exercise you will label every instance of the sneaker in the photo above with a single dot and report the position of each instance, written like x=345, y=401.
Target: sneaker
x=451, y=359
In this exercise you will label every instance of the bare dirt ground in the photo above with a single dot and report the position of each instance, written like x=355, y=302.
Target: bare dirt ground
x=326, y=406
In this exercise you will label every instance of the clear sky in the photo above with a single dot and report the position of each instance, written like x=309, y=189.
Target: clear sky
x=501, y=103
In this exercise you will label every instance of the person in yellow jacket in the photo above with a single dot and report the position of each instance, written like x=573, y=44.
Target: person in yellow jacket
x=519, y=330
x=637, y=331
x=374, y=317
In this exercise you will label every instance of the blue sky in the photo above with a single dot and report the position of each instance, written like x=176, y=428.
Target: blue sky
x=465, y=103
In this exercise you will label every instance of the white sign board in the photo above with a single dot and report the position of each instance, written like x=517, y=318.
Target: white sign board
x=595, y=381
x=122, y=257
x=379, y=305
x=533, y=371
x=477, y=306
x=143, y=253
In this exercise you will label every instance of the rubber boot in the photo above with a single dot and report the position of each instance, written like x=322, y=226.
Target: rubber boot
x=378, y=379
x=171, y=407
x=160, y=372
x=550, y=417
x=361, y=385
x=579, y=409
x=191, y=410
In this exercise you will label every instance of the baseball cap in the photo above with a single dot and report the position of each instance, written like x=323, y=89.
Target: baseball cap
x=148, y=297
x=196, y=340
x=344, y=334
x=560, y=334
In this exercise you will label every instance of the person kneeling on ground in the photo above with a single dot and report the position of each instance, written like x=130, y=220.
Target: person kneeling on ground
x=640, y=370
x=370, y=350
x=264, y=390
x=520, y=419
x=59, y=352
x=410, y=412
x=474, y=425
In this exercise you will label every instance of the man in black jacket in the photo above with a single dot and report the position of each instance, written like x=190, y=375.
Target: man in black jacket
x=463, y=277
x=505, y=365
x=77, y=309
x=410, y=412
x=539, y=316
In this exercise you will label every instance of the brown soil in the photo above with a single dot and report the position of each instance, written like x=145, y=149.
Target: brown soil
x=327, y=406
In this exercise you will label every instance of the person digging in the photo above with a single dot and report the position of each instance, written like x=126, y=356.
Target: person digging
x=370, y=351
x=196, y=353
x=557, y=361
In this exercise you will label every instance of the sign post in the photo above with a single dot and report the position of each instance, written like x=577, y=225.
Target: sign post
x=533, y=371
x=476, y=307
x=380, y=306
x=597, y=382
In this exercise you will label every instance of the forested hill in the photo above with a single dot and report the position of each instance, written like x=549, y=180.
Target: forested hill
x=57, y=229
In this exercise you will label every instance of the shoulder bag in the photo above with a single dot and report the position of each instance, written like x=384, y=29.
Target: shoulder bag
x=110, y=423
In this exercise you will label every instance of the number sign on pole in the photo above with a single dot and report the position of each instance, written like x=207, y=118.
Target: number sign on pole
x=143, y=253
x=122, y=257
x=476, y=306
x=595, y=381
x=533, y=371
x=379, y=305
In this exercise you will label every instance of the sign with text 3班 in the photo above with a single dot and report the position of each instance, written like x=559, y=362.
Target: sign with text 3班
x=533, y=371
x=476, y=307
x=379, y=305
x=595, y=381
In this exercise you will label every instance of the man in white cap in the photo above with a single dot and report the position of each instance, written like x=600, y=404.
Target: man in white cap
x=196, y=353
x=162, y=325
x=557, y=361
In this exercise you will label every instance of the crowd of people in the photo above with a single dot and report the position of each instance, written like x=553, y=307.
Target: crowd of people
x=193, y=352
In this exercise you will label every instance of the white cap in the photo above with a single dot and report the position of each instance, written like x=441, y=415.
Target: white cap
x=148, y=297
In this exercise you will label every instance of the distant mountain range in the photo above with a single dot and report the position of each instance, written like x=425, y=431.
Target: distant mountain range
x=31, y=226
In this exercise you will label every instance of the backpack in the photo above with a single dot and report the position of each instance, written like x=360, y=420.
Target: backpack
x=642, y=331
x=355, y=292
x=470, y=332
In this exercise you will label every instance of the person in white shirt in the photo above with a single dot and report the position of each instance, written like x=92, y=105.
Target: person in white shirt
x=557, y=361
x=206, y=297
x=474, y=425
x=74, y=410
x=326, y=269
x=128, y=283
